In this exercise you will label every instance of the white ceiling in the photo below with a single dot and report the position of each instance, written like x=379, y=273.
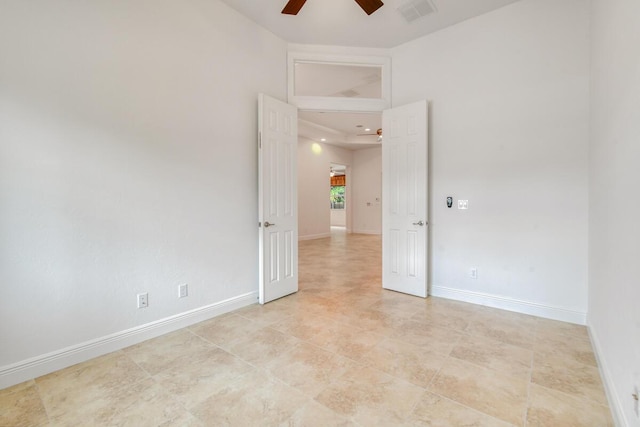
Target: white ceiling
x=344, y=23
x=340, y=129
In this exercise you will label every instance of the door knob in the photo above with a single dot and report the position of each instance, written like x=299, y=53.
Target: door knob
x=420, y=223
x=267, y=224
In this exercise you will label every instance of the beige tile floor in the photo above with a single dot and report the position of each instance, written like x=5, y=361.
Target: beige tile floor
x=340, y=352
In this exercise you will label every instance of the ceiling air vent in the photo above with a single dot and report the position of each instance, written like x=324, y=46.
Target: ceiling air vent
x=414, y=9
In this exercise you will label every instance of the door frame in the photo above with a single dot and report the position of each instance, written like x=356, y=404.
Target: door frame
x=311, y=54
x=317, y=103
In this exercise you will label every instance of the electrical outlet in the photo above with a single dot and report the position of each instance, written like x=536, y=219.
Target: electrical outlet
x=473, y=273
x=143, y=300
x=183, y=290
x=463, y=204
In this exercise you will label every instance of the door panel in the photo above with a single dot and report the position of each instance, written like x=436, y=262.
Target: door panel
x=404, y=199
x=278, y=222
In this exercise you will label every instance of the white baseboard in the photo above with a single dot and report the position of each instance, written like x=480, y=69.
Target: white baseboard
x=526, y=307
x=377, y=232
x=615, y=404
x=40, y=365
x=314, y=236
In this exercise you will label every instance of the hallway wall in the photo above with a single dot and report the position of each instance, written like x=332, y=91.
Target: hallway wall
x=314, y=161
x=367, y=191
x=364, y=185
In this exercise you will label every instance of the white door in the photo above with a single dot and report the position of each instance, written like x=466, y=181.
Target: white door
x=278, y=201
x=404, y=199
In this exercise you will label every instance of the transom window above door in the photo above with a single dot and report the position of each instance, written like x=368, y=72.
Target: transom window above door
x=339, y=82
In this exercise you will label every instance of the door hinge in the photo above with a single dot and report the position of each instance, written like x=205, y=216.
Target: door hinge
x=259, y=139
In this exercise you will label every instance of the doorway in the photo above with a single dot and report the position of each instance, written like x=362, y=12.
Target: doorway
x=403, y=158
x=405, y=172
x=344, y=145
x=338, y=197
x=340, y=157
x=404, y=194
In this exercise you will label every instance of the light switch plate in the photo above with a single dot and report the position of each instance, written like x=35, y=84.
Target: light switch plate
x=463, y=204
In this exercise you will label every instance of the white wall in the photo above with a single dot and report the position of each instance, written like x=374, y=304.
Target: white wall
x=314, y=185
x=367, y=191
x=338, y=217
x=614, y=208
x=128, y=164
x=509, y=132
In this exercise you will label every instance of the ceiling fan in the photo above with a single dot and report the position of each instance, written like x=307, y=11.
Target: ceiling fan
x=378, y=132
x=369, y=6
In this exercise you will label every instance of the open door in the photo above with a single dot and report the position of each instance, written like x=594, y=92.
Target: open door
x=405, y=199
x=278, y=198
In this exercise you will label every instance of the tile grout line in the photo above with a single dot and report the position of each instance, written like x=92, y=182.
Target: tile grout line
x=46, y=409
x=530, y=382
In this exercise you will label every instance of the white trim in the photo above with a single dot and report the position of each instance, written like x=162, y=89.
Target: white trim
x=314, y=236
x=59, y=359
x=376, y=232
x=338, y=50
x=323, y=103
x=526, y=307
x=615, y=404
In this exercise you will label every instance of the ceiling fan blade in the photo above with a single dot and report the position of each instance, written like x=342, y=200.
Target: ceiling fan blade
x=370, y=6
x=293, y=7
